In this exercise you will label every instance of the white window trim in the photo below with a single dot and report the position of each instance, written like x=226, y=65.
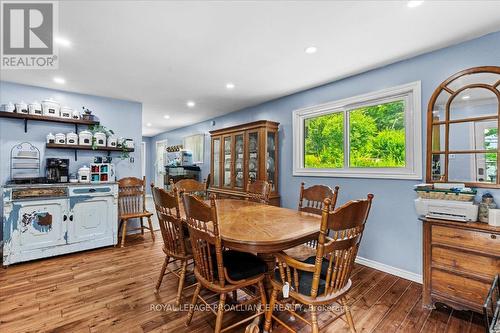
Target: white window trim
x=413, y=128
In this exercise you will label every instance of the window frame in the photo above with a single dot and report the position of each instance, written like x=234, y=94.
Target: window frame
x=410, y=92
x=201, y=138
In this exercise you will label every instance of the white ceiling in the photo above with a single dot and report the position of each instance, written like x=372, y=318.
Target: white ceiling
x=166, y=53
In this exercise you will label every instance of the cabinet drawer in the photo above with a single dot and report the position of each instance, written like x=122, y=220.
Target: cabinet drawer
x=471, y=239
x=460, y=288
x=467, y=262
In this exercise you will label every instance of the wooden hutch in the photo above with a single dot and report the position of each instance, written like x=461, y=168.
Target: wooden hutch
x=461, y=259
x=244, y=153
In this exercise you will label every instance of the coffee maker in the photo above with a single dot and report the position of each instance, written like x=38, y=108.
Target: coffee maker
x=57, y=170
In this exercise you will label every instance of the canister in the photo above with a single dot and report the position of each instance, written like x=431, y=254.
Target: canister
x=60, y=138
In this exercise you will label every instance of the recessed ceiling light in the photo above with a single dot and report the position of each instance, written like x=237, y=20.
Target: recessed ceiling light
x=466, y=97
x=311, y=49
x=59, y=80
x=229, y=85
x=414, y=3
x=149, y=124
x=166, y=116
x=190, y=104
x=62, y=41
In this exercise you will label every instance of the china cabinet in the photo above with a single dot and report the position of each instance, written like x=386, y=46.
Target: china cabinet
x=244, y=153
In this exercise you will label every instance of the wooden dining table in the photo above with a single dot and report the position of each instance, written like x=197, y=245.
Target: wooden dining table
x=264, y=229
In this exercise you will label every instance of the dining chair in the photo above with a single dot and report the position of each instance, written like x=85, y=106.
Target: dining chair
x=325, y=279
x=132, y=205
x=219, y=271
x=311, y=201
x=190, y=186
x=258, y=191
x=176, y=244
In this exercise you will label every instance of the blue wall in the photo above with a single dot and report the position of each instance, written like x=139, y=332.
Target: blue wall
x=393, y=234
x=124, y=117
x=149, y=161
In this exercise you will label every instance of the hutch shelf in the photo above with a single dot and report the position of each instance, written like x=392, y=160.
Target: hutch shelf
x=244, y=153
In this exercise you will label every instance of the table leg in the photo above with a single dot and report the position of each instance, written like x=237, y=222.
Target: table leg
x=270, y=263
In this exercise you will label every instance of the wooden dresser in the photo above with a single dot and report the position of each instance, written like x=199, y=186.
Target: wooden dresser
x=460, y=262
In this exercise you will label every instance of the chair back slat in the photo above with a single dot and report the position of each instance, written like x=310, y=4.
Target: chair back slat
x=131, y=195
x=190, y=186
x=312, y=198
x=206, y=242
x=258, y=191
x=345, y=225
x=169, y=219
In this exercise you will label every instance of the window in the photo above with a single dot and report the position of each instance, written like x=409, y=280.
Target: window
x=195, y=143
x=376, y=135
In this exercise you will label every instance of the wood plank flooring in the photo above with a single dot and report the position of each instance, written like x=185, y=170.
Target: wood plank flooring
x=111, y=290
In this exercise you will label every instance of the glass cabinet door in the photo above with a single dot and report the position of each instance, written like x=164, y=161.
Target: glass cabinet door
x=271, y=160
x=253, y=156
x=239, y=161
x=227, y=174
x=216, y=162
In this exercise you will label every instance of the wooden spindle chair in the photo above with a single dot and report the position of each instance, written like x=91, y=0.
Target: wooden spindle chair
x=258, y=191
x=132, y=205
x=327, y=279
x=176, y=244
x=190, y=186
x=311, y=201
x=220, y=271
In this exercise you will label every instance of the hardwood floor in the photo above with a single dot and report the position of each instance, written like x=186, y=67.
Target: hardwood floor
x=111, y=290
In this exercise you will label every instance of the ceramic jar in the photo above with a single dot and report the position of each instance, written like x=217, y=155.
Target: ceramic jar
x=486, y=204
x=128, y=143
x=50, y=108
x=84, y=174
x=75, y=114
x=66, y=112
x=51, y=138
x=9, y=107
x=85, y=138
x=112, y=141
x=35, y=108
x=71, y=139
x=60, y=138
x=100, y=139
x=22, y=107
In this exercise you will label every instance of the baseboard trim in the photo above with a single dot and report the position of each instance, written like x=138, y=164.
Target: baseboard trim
x=390, y=269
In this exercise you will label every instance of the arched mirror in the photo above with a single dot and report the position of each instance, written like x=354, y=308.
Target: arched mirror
x=462, y=129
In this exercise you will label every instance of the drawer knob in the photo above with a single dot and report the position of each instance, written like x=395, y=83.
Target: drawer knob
x=493, y=236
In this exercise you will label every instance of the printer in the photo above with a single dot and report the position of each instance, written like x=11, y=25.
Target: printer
x=446, y=201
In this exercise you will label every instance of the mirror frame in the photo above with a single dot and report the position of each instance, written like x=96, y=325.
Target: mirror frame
x=495, y=87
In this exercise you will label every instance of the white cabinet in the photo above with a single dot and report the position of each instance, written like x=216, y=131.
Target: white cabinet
x=40, y=224
x=74, y=218
x=88, y=220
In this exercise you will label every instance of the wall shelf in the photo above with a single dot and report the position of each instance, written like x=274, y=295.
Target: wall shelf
x=33, y=117
x=76, y=148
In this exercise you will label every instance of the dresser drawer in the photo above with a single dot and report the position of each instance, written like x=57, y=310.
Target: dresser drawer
x=460, y=288
x=471, y=239
x=462, y=261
